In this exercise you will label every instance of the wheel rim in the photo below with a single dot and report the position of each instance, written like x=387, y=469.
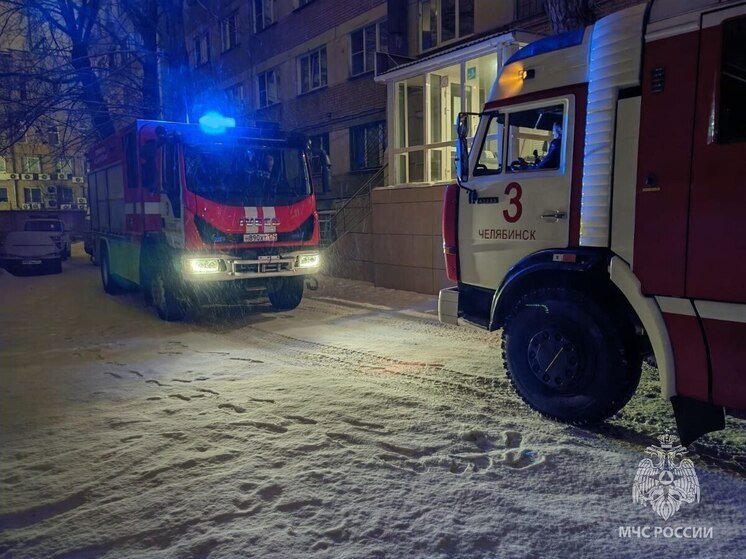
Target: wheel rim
x=555, y=359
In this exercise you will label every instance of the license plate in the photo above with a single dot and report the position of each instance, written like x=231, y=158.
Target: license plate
x=259, y=237
x=29, y=262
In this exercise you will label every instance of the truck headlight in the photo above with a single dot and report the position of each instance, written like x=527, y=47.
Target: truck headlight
x=205, y=265
x=309, y=260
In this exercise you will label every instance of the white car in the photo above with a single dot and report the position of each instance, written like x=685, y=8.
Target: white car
x=55, y=228
x=39, y=246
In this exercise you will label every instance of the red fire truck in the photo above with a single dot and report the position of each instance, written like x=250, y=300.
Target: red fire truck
x=599, y=215
x=203, y=212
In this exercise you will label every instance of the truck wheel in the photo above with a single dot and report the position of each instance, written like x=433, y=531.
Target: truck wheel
x=108, y=280
x=164, y=295
x=286, y=293
x=568, y=358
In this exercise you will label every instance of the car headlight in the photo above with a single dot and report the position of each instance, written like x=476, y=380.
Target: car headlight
x=309, y=260
x=205, y=265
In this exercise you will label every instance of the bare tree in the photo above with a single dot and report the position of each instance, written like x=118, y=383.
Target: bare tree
x=566, y=15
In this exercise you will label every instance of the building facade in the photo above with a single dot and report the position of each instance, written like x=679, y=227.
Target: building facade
x=305, y=64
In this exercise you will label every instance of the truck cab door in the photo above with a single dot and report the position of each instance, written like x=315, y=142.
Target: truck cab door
x=171, y=195
x=522, y=183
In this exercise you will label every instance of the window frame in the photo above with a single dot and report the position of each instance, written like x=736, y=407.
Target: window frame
x=321, y=51
x=30, y=190
x=376, y=25
x=262, y=5
x=70, y=161
x=24, y=166
x=198, y=44
x=363, y=128
x=437, y=4
x=276, y=74
x=4, y=189
x=229, y=35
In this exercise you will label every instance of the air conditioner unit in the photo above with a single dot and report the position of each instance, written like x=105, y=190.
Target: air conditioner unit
x=77, y=179
x=35, y=206
x=62, y=176
x=66, y=207
x=43, y=177
x=82, y=201
x=82, y=206
x=27, y=176
x=52, y=203
x=52, y=189
x=25, y=206
x=14, y=176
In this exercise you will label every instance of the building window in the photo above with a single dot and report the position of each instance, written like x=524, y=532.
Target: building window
x=201, y=49
x=528, y=8
x=264, y=14
x=235, y=93
x=32, y=195
x=53, y=136
x=65, y=166
x=3, y=195
x=318, y=142
x=732, y=118
x=229, y=32
x=32, y=164
x=312, y=70
x=363, y=46
x=367, y=144
x=3, y=165
x=65, y=195
x=442, y=21
x=269, y=85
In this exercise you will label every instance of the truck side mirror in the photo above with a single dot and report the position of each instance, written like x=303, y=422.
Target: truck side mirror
x=462, y=148
x=326, y=170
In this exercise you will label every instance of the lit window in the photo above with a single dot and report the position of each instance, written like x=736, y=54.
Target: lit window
x=201, y=49
x=32, y=164
x=229, y=32
x=268, y=83
x=442, y=21
x=312, y=70
x=367, y=144
x=65, y=166
x=264, y=14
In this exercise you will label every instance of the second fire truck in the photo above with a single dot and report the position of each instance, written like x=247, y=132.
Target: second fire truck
x=204, y=212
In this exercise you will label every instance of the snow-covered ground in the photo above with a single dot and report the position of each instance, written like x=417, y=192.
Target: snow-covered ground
x=354, y=426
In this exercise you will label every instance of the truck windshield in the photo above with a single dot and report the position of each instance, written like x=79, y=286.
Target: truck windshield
x=42, y=225
x=247, y=175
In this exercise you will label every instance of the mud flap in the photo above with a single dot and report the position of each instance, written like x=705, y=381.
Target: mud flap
x=695, y=418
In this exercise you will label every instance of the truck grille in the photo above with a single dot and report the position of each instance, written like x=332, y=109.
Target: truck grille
x=254, y=268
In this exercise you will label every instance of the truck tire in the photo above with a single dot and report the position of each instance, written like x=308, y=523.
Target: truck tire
x=108, y=279
x=568, y=358
x=286, y=293
x=165, y=295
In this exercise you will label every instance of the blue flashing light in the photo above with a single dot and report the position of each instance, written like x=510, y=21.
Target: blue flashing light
x=215, y=123
x=549, y=44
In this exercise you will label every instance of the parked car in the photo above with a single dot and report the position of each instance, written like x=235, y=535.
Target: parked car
x=31, y=250
x=55, y=228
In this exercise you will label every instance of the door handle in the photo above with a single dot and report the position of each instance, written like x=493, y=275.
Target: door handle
x=553, y=215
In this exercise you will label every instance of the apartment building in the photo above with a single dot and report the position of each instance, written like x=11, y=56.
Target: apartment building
x=305, y=64
x=37, y=171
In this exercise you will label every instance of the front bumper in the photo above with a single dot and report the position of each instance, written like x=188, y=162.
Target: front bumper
x=232, y=268
x=448, y=305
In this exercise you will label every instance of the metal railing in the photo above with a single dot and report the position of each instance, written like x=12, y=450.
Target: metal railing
x=336, y=224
